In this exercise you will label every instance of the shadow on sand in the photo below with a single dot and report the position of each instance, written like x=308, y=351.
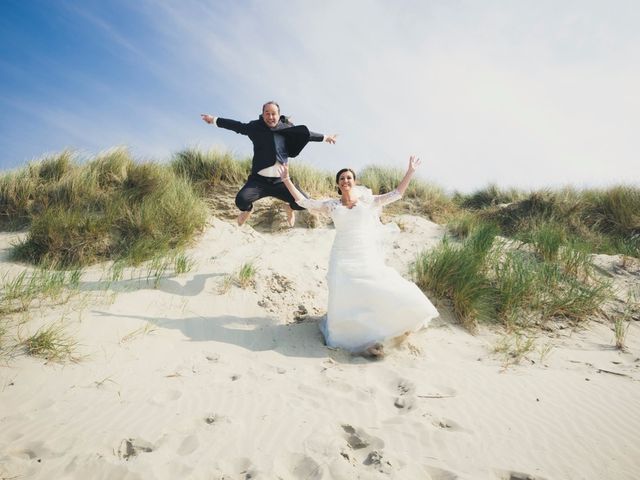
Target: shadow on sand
x=258, y=334
x=191, y=288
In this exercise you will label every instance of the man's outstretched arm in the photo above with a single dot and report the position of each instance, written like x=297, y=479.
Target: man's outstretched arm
x=319, y=137
x=234, y=125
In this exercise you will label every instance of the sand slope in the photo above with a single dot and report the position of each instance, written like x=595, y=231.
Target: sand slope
x=188, y=381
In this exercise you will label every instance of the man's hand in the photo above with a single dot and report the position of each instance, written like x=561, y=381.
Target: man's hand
x=331, y=138
x=208, y=118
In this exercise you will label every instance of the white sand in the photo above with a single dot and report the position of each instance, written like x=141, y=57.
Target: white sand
x=230, y=385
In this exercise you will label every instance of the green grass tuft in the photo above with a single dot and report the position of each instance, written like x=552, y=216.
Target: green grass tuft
x=50, y=343
x=19, y=293
x=455, y=273
x=489, y=196
x=182, y=263
x=485, y=279
x=246, y=274
x=206, y=169
x=108, y=208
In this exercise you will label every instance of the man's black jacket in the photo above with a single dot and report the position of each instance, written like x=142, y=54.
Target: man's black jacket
x=264, y=140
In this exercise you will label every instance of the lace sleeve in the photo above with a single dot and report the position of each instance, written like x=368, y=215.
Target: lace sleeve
x=387, y=198
x=317, y=205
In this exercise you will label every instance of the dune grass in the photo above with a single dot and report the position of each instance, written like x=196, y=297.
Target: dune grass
x=316, y=183
x=601, y=220
x=182, y=263
x=244, y=277
x=455, y=272
x=620, y=329
x=19, y=293
x=111, y=207
x=424, y=198
x=206, y=169
x=107, y=208
x=50, y=343
x=490, y=279
x=246, y=274
x=489, y=196
x=514, y=347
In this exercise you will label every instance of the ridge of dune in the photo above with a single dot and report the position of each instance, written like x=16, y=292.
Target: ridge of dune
x=200, y=379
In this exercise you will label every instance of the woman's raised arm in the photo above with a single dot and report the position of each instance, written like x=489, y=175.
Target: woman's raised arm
x=284, y=174
x=300, y=199
x=414, y=163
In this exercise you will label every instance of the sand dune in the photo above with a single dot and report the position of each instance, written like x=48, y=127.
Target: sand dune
x=190, y=381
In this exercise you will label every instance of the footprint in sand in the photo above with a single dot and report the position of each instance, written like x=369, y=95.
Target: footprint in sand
x=238, y=468
x=406, y=398
x=214, y=419
x=296, y=465
x=357, y=438
x=365, y=449
x=511, y=475
x=132, y=447
x=163, y=398
x=436, y=473
x=447, y=424
x=376, y=460
x=189, y=445
x=33, y=451
x=26, y=454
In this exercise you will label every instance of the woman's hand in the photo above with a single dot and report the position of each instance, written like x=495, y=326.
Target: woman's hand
x=331, y=138
x=414, y=163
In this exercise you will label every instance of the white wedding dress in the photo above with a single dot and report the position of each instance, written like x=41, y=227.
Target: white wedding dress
x=369, y=302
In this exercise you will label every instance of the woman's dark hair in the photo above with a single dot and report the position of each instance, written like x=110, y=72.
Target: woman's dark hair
x=340, y=172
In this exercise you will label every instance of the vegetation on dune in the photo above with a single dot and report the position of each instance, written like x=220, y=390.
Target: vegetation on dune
x=19, y=293
x=112, y=206
x=206, y=169
x=602, y=220
x=521, y=258
x=421, y=198
x=457, y=273
x=50, y=343
x=517, y=284
x=107, y=208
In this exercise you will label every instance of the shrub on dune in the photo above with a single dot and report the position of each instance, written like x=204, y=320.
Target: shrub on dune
x=422, y=197
x=24, y=192
x=312, y=180
x=456, y=272
x=603, y=221
x=489, y=196
x=485, y=279
x=109, y=208
x=17, y=190
x=205, y=169
x=66, y=236
x=165, y=218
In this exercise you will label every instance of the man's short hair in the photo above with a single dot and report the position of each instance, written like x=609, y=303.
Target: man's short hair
x=271, y=102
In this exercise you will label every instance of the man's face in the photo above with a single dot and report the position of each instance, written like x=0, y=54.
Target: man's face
x=270, y=115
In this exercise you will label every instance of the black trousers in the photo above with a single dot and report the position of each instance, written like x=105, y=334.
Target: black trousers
x=258, y=187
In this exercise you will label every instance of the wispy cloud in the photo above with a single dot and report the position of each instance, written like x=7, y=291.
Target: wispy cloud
x=522, y=94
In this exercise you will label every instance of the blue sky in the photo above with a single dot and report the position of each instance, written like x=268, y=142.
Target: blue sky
x=520, y=93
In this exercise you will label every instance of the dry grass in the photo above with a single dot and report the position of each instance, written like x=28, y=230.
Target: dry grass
x=50, y=343
x=107, y=208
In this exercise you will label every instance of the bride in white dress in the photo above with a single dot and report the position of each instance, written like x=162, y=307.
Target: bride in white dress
x=370, y=304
